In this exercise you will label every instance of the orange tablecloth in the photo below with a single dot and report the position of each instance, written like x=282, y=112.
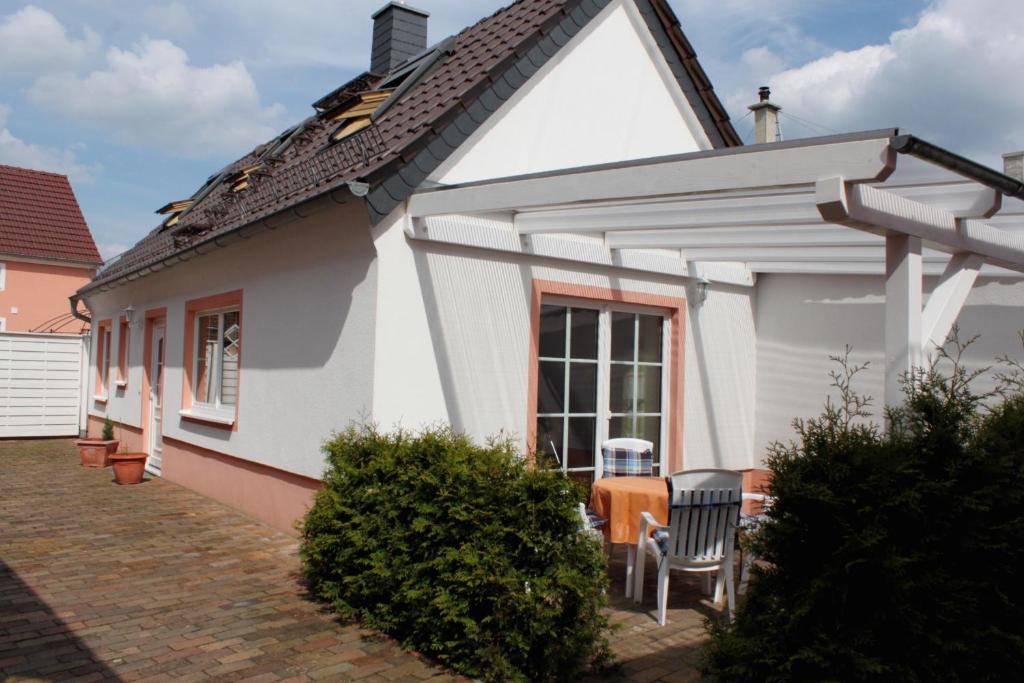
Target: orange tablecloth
x=620, y=500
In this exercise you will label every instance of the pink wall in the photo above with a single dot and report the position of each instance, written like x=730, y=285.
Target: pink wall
x=273, y=496
x=39, y=292
x=130, y=437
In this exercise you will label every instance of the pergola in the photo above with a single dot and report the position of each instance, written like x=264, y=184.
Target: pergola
x=866, y=203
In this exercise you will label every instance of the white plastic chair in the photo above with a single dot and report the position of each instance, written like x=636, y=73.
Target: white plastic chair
x=588, y=527
x=750, y=523
x=638, y=446
x=704, y=508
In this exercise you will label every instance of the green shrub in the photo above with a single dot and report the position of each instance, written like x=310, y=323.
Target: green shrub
x=108, y=430
x=460, y=552
x=891, y=556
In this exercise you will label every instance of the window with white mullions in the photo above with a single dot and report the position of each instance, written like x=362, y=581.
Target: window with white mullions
x=600, y=375
x=216, y=364
x=636, y=373
x=567, y=386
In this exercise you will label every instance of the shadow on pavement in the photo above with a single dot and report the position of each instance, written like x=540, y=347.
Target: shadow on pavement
x=37, y=644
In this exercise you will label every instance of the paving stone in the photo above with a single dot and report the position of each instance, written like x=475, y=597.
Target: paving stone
x=156, y=582
x=152, y=582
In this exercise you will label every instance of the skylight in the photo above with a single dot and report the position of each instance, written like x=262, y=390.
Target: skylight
x=355, y=116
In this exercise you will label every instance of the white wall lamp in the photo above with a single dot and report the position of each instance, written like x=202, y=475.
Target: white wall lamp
x=702, y=290
x=128, y=313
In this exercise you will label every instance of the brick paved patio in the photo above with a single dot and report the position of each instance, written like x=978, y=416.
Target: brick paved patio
x=154, y=582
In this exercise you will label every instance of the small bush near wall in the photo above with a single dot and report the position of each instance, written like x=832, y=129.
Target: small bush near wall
x=461, y=552
x=891, y=557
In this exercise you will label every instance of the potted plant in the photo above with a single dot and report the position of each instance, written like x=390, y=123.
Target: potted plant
x=128, y=467
x=96, y=452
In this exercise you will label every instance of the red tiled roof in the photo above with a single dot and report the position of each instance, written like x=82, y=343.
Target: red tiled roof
x=40, y=217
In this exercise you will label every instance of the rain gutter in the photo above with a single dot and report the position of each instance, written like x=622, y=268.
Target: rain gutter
x=914, y=146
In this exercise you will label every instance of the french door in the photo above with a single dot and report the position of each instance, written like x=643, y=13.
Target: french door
x=156, y=409
x=602, y=374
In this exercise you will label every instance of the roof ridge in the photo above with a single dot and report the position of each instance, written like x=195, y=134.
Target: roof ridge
x=24, y=169
x=489, y=62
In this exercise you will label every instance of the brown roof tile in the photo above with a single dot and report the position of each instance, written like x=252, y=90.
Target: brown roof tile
x=40, y=217
x=478, y=70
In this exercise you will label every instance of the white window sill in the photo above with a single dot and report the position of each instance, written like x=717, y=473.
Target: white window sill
x=218, y=417
x=100, y=399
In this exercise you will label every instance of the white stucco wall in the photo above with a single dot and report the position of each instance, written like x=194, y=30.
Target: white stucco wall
x=802, y=319
x=309, y=297
x=607, y=96
x=453, y=343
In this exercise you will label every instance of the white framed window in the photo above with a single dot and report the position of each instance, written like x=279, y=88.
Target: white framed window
x=215, y=365
x=602, y=374
x=3, y=324
x=103, y=338
x=3, y=276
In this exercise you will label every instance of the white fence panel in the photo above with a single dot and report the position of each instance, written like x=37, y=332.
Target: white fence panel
x=42, y=378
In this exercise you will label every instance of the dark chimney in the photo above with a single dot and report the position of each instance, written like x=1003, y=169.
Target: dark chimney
x=764, y=92
x=399, y=32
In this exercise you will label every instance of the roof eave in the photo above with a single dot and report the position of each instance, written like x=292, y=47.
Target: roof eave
x=289, y=214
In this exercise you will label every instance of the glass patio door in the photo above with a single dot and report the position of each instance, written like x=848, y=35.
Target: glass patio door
x=601, y=374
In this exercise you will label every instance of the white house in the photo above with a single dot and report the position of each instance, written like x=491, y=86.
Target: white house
x=544, y=225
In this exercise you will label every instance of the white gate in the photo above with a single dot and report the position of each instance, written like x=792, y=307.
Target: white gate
x=41, y=382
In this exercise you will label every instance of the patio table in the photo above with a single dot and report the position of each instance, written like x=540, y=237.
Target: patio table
x=620, y=500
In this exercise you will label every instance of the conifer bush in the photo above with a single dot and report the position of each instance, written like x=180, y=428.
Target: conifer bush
x=890, y=555
x=460, y=552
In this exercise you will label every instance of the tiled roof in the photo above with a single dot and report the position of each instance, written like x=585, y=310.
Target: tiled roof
x=40, y=218
x=465, y=80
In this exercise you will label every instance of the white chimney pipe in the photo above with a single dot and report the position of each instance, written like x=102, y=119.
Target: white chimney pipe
x=766, y=117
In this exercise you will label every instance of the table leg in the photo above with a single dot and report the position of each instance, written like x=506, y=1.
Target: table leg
x=630, y=561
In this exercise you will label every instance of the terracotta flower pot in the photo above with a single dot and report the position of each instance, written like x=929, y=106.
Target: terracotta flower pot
x=95, y=452
x=128, y=467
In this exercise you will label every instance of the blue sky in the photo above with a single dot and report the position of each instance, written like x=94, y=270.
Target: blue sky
x=139, y=102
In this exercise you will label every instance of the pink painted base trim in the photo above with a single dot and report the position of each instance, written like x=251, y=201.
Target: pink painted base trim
x=273, y=496
x=128, y=437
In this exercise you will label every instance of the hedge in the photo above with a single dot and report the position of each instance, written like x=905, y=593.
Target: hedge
x=892, y=555
x=460, y=552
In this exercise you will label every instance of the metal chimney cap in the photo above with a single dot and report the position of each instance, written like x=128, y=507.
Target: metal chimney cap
x=764, y=92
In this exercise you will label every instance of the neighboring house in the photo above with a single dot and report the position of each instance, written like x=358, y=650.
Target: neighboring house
x=376, y=262
x=46, y=251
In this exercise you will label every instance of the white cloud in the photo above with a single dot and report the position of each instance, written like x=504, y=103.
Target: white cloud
x=953, y=77
x=152, y=96
x=16, y=152
x=33, y=41
x=109, y=251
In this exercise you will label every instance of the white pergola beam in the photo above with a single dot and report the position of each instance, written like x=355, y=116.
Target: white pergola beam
x=902, y=312
x=882, y=212
x=947, y=299
x=772, y=210
x=796, y=236
x=863, y=160
x=962, y=199
x=870, y=254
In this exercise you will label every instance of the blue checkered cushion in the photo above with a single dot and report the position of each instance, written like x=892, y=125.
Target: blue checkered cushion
x=626, y=462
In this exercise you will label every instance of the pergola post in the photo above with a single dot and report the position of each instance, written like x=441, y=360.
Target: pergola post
x=902, y=311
